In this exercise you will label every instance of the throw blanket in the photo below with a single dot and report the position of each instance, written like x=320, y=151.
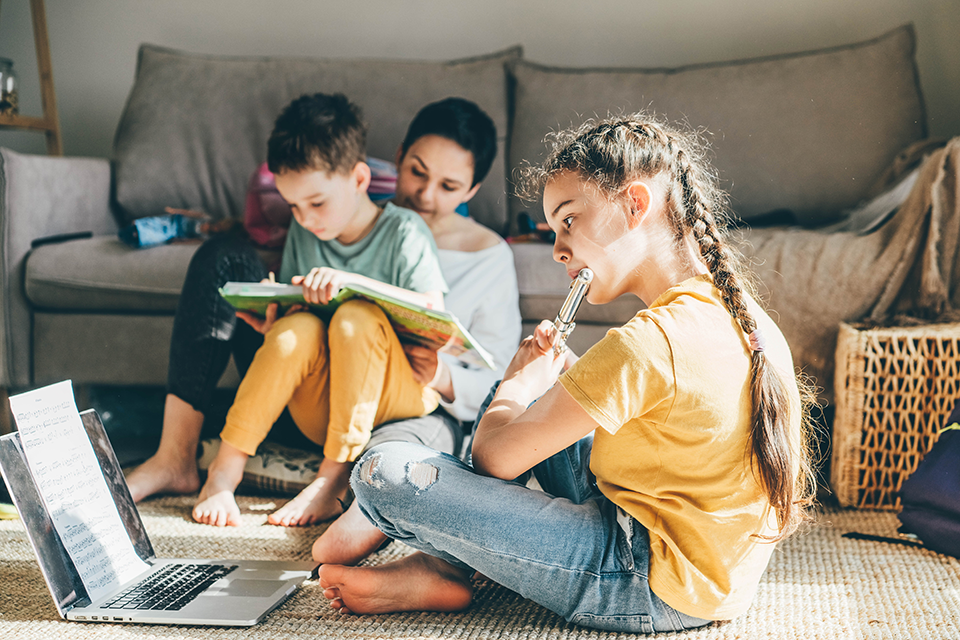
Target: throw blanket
x=811, y=280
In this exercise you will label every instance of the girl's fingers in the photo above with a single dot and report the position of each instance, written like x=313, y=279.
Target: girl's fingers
x=545, y=335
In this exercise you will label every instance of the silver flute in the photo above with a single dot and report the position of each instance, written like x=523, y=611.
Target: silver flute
x=564, y=322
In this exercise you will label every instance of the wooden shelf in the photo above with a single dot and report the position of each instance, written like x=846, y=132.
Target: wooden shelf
x=25, y=122
x=49, y=124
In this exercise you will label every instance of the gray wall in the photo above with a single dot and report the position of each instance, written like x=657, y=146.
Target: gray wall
x=94, y=42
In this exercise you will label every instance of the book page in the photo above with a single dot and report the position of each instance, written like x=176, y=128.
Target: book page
x=438, y=330
x=71, y=483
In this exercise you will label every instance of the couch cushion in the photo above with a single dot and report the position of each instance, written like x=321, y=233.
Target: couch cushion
x=104, y=274
x=809, y=132
x=196, y=126
x=107, y=348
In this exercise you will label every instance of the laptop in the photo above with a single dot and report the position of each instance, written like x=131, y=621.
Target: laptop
x=187, y=591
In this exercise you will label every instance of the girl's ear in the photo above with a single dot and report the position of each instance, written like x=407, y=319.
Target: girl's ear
x=399, y=158
x=638, y=199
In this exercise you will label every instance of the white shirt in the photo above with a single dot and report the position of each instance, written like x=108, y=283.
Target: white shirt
x=483, y=295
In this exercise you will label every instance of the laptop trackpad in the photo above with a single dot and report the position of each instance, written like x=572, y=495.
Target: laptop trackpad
x=250, y=588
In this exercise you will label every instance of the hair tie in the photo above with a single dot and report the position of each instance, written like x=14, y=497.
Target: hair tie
x=756, y=340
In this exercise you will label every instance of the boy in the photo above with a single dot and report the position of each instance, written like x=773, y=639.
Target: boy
x=341, y=379
x=447, y=152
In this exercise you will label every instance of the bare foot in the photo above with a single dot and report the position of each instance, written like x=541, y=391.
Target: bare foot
x=417, y=582
x=319, y=501
x=350, y=539
x=173, y=468
x=161, y=474
x=216, y=504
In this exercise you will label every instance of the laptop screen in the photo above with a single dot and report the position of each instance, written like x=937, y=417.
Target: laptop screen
x=55, y=563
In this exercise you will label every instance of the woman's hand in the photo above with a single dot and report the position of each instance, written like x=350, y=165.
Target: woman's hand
x=263, y=325
x=424, y=363
x=260, y=325
x=322, y=284
x=429, y=370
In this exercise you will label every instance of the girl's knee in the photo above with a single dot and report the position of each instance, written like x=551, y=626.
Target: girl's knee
x=395, y=466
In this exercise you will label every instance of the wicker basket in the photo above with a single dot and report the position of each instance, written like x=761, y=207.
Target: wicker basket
x=894, y=388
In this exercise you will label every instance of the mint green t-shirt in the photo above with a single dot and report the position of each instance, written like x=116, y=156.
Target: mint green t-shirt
x=399, y=250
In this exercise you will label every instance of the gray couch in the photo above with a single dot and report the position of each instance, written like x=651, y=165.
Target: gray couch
x=808, y=132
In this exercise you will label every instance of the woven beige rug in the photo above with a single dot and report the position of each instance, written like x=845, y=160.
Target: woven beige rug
x=818, y=586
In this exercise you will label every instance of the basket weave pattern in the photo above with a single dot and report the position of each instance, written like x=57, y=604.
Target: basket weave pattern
x=894, y=387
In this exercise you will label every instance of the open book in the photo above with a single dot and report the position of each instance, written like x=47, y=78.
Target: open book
x=439, y=330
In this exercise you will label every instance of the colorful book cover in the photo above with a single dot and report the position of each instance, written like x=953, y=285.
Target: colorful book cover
x=439, y=330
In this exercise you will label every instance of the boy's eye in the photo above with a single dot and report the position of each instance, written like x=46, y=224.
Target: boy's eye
x=316, y=205
x=568, y=221
x=449, y=187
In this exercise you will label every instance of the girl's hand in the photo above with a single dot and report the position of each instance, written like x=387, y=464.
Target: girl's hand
x=516, y=433
x=569, y=359
x=322, y=284
x=534, y=368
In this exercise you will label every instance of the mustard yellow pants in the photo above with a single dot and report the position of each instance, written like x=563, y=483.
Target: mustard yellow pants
x=339, y=382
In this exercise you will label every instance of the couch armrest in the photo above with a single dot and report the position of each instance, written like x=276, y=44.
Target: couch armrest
x=40, y=196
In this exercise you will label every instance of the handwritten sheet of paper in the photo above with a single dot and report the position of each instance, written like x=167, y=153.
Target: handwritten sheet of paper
x=67, y=473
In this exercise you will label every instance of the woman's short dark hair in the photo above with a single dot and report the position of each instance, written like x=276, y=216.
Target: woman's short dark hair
x=463, y=122
x=320, y=132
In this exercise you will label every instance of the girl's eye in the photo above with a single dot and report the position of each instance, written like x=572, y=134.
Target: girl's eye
x=316, y=205
x=416, y=172
x=449, y=188
x=568, y=221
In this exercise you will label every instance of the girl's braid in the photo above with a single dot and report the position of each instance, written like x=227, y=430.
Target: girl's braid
x=695, y=214
x=771, y=441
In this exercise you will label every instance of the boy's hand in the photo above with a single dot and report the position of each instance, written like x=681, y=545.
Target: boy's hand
x=322, y=284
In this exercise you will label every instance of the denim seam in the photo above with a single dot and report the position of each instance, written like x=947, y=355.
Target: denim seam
x=406, y=524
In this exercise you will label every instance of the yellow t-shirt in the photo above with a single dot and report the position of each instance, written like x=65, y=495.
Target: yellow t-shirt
x=671, y=391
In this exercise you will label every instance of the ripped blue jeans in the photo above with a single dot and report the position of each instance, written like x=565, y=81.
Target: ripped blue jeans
x=567, y=548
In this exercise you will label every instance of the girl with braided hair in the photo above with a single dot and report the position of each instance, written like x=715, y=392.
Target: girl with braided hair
x=672, y=454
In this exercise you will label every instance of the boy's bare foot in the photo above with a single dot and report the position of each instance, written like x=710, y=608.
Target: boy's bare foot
x=161, y=474
x=418, y=582
x=350, y=539
x=216, y=504
x=319, y=501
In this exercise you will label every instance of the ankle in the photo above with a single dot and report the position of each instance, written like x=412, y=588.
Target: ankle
x=175, y=461
x=228, y=464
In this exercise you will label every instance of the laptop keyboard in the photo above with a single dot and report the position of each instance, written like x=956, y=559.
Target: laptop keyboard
x=171, y=588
